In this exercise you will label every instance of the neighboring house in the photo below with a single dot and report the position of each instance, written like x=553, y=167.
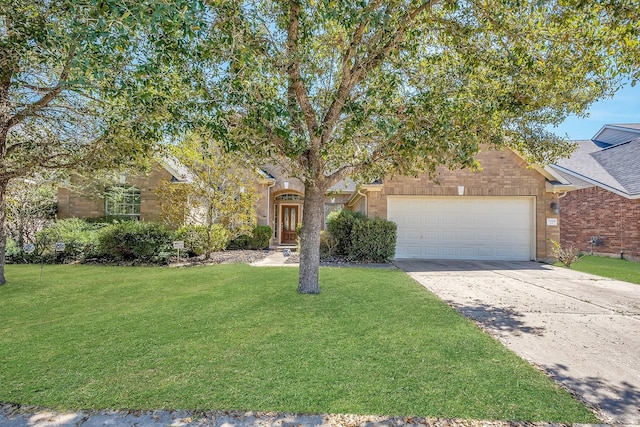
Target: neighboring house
x=503, y=212
x=600, y=212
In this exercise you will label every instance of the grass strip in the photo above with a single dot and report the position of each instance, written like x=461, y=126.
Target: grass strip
x=612, y=268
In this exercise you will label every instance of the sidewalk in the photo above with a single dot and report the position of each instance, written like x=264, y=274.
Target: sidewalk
x=14, y=416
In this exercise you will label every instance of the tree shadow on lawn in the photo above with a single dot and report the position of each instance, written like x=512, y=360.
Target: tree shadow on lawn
x=617, y=403
x=498, y=319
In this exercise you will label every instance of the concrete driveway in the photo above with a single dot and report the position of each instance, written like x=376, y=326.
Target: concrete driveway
x=583, y=330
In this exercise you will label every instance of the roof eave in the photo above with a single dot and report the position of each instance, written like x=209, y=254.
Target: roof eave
x=598, y=184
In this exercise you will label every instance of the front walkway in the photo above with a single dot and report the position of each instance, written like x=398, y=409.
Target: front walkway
x=583, y=330
x=276, y=259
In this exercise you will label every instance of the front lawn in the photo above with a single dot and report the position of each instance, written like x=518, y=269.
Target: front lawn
x=240, y=338
x=613, y=268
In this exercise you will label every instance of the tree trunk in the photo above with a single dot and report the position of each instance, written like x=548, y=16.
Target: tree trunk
x=312, y=216
x=3, y=231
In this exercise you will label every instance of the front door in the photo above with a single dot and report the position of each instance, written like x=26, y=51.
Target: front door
x=289, y=223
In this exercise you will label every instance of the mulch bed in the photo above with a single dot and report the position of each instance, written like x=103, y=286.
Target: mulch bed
x=222, y=257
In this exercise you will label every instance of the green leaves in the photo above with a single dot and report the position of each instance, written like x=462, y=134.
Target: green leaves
x=92, y=84
x=405, y=85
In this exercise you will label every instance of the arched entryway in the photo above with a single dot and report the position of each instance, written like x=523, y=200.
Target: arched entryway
x=287, y=214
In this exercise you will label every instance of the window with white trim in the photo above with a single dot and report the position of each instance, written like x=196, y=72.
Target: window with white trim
x=122, y=201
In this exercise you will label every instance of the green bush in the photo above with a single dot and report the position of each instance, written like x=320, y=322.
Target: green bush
x=373, y=240
x=340, y=225
x=258, y=239
x=14, y=253
x=79, y=237
x=137, y=241
x=261, y=237
x=240, y=242
x=197, y=242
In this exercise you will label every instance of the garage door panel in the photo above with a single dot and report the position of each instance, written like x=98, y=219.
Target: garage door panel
x=497, y=228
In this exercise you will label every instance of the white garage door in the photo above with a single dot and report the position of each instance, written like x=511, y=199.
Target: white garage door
x=473, y=228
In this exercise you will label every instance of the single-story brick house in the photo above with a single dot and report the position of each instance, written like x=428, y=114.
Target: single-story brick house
x=600, y=212
x=503, y=212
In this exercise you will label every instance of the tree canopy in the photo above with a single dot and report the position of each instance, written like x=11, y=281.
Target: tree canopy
x=80, y=83
x=326, y=88
x=367, y=88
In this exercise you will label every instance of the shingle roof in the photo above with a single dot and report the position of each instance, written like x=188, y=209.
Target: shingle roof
x=622, y=161
x=628, y=125
x=616, y=168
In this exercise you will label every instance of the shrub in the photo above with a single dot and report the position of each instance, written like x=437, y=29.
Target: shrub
x=14, y=253
x=240, y=242
x=373, y=240
x=137, y=241
x=198, y=242
x=566, y=256
x=261, y=237
x=258, y=239
x=340, y=225
x=79, y=237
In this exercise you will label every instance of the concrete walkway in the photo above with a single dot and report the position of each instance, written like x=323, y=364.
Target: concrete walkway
x=583, y=330
x=276, y=259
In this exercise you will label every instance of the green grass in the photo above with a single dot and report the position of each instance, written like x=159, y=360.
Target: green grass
x=240, y=338
x=613, y=268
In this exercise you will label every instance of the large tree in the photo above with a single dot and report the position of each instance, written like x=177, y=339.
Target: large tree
x=341, y=88
x=83, y=83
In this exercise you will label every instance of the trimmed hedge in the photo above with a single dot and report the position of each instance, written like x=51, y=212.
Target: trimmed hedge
x=261, y=237
x=340, y=225
x=373, y=240
x=126, y=240
x=13, y=253
x=79, y=237
x=362, y=239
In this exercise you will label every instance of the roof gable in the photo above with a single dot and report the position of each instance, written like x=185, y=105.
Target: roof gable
x=614, y=134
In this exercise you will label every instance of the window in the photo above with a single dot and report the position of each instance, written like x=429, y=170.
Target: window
x=289, y=197
x=122, y=201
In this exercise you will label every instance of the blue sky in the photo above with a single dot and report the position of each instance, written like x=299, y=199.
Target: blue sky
x=624, y=107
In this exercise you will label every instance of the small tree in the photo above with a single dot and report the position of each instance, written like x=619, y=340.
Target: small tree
x=30, y=207
x=220, y=192
x=566, y=256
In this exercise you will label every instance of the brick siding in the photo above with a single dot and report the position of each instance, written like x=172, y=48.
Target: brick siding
x=595, y=212
x=89, y=204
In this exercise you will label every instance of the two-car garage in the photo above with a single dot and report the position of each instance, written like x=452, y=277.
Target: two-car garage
x=472, y=228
